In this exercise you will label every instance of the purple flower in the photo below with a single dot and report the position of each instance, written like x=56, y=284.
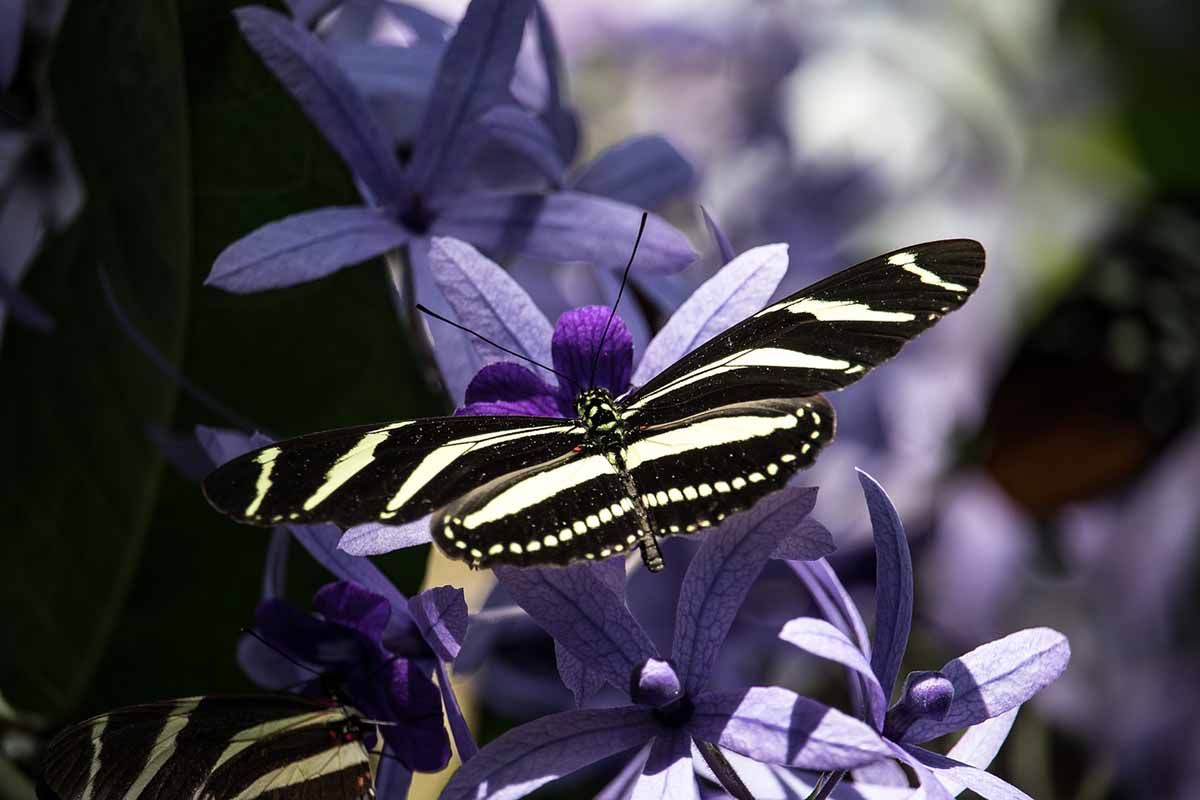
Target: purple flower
x=488, y=300
x=382, y=649
x=431, y=194
x=671, y=705
x=980, y=690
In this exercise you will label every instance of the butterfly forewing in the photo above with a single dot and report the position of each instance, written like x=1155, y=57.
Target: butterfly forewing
x=210, y=747
x=394, y=472
x=573, y=508
x=824, y=337
x=695, y=472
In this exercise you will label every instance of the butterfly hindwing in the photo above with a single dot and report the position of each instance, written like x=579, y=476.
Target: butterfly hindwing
x=394, y=472
x=822, y=338
x=213, y=747
x=696, y=471
x=573, y=508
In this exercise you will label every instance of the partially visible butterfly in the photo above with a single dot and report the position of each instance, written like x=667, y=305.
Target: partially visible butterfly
x=251, y=747
x=712, y=434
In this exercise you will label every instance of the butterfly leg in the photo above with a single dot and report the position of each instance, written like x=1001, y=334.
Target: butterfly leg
x=648, y=542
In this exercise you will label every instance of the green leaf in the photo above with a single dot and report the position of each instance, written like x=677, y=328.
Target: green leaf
x=77, y=403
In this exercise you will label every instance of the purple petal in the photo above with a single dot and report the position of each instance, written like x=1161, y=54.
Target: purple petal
x=353, y=606
x=399, y=74
x=564, y=227
x=620, y=787
x=777, y=726
x=520, y=133
x=577, y=350
x=582, y=680
x=668, y=774
x=267, y=668
x=982, y=742
x=893, y=585
x=12, y=28
x=833, y=600
x=426, y=26
x=463, y=740
x=956, y=776
x=537, y=752
x=929, y=786
x=411, y=699
x=488, y=301
x=561, y=120
x=724, y=248
x=818, y=637
x=740, y=289
x=224, y=444
x=373, y=538
x=441, y=616
x=474, y=74
x=392, y=779
x=311, y=641
x=304, y=247
x=643, y=171
x=574, y=606
x=505, y=388
x=997, y=677
x=456, y=357
x=809, y=542
x=306, y=68
x=720, y=575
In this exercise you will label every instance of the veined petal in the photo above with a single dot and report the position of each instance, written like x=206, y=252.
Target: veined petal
x=373, y=538
x=309, y=72
x=717, y=580
x=457, y=360
x=304, y=247
x=353, y=606
x=643, y=171
x=395, y=73
x=441, y=617
x=560, y=119
x=582, y=680
x=668, y=774
x=778, y=726
x=564, y=227
x=620, y=786
x=997, y=677
x=741, y=288
x=982, y=741
x=463, y=739
x=517, y=131
x=724, y=248
x=810, y=541
x=818, y=637
x=574, y=605
x=537, y=752
x=487, y=300
x=579, y=353
x=475, y=73
x=893, y=585
x=956, y=776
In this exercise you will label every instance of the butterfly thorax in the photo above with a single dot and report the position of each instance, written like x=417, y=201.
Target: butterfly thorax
x=600, y=416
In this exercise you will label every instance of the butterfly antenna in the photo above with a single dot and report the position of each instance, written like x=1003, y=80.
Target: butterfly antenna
x=429, y=312
x=251, y=632
x=620, y=291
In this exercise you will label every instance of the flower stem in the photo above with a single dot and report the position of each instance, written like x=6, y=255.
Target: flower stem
x=724, y=771
x=825, y=785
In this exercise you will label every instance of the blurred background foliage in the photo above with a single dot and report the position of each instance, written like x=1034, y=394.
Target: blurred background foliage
x=120, y=585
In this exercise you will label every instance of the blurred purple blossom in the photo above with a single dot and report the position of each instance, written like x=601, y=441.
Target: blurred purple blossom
x=671, y=704
x=980, y=690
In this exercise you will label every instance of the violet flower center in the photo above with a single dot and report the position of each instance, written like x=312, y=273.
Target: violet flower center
x=656, y=684
x=926, y=695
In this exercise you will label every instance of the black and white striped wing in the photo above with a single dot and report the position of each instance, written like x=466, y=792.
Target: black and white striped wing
x=571, y=508
x=394, y=473
x=822, y=338
x=694, y=472
x=213, y=748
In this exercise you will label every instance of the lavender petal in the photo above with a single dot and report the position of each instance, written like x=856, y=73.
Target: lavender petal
x=809, y=542
x=374, y=538
x=778, y=726
x=564, y=227
x=574, y=605
x=717, y=580
x=582, y=680
x=520, y=133
x=311, y=75
x=441, y=617
x=982, y=742
x=456, y=358
x=558, y=117
x=956, y=776
x=643, y=171
x=997, y=677
x=893, y=585
x=463, y=740
x=724, y=248
x=537, y=752
x=668, y=774
x=740, y=289
x=304, y=247
x=487, y=300
x=818, y=637
x=620, y=786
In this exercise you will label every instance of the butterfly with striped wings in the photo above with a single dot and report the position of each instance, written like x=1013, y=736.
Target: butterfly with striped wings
x=724, y=426
x=251, y=747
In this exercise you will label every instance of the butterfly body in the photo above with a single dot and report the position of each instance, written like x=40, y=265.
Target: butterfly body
x=710, y=435
x=213, y=748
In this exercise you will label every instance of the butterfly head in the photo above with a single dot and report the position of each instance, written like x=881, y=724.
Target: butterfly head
x=598, y=412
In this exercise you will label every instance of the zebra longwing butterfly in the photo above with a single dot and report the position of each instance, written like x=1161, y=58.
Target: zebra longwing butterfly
x=712, y=434
x=252, y=747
